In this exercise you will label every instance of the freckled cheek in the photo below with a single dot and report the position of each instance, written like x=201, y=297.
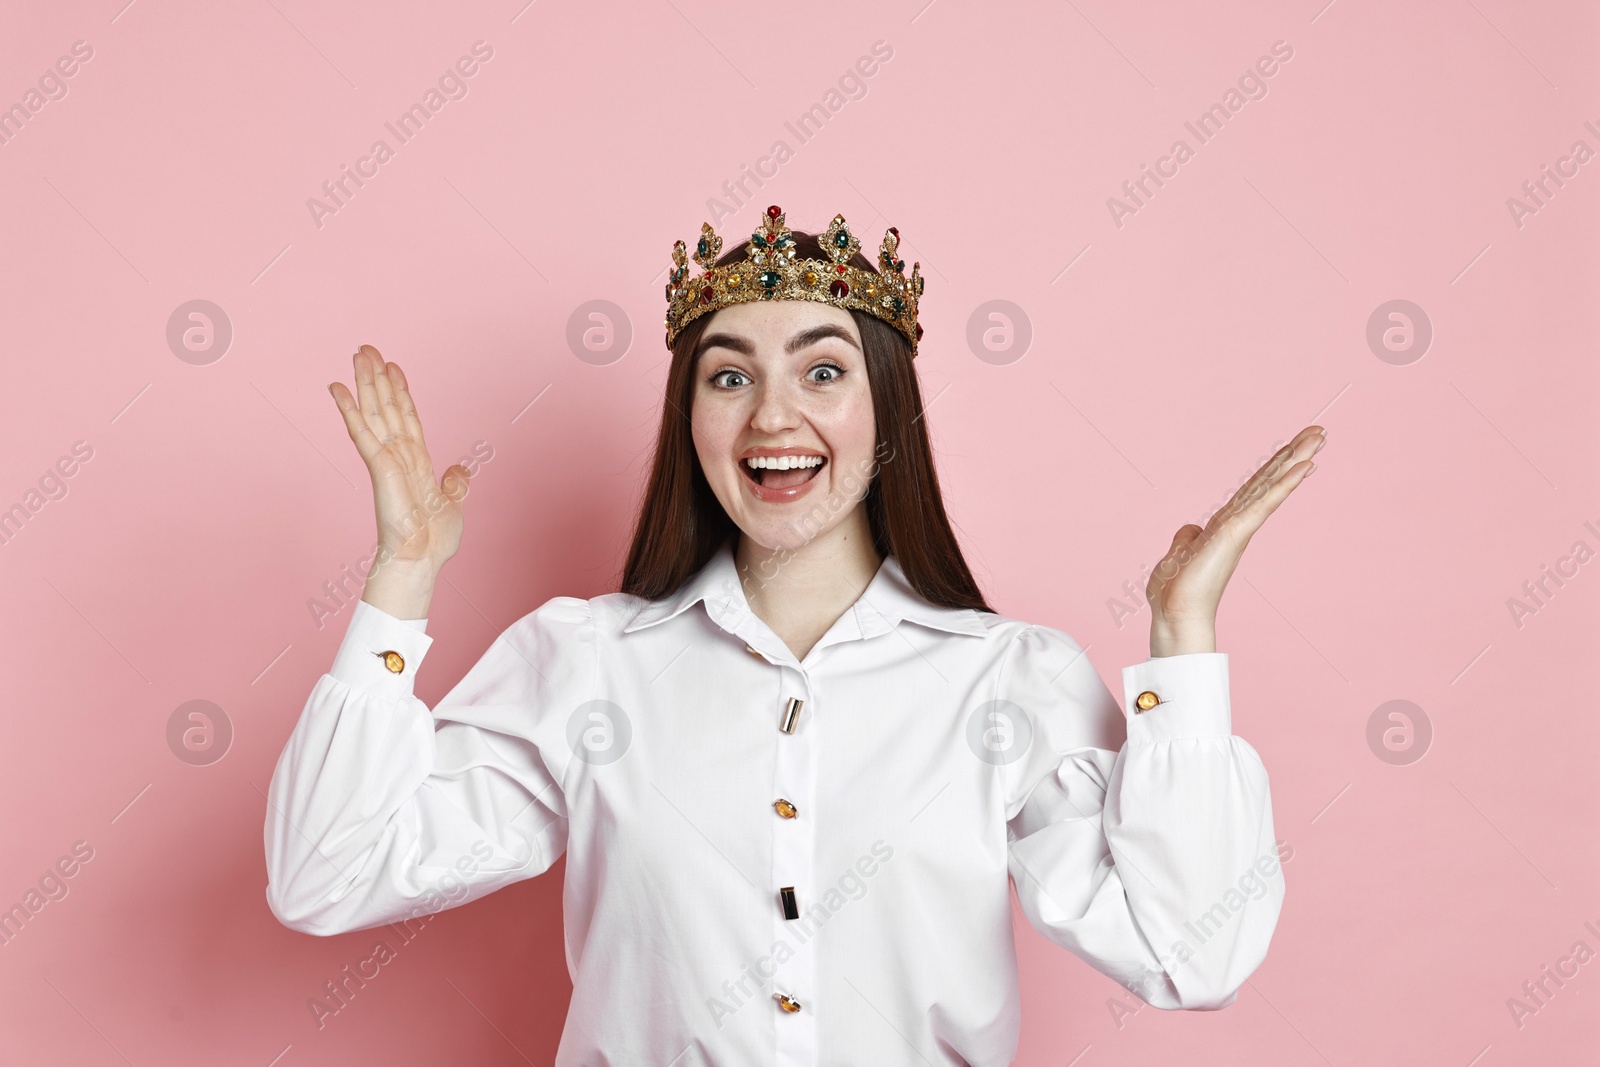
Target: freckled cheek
x=849, y=431
x=716, y=429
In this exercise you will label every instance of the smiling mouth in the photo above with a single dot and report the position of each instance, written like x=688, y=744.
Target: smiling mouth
x=782, y=472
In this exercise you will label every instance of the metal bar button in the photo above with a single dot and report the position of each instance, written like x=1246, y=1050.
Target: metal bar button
x=791, y=906
x=791, y=715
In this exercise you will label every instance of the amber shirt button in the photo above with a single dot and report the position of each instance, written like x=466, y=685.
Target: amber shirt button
x=788, y=1004
x=786, y=809
x=1145, y=701
x=394, y=661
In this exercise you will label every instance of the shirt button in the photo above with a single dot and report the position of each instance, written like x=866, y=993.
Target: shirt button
x=1145, y=701
x=394, y=661
x=753, y=652
x=787, y=1003
x=786, y=809
x=791, y=715
x=791, y=905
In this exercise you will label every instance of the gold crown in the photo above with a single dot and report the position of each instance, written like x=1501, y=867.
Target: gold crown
x=772, y=273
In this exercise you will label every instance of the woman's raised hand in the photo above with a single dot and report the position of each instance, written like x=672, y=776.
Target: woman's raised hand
x=419, y=519
x=1187, y=584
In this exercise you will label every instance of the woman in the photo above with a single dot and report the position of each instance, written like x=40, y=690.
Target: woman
x=797, y=763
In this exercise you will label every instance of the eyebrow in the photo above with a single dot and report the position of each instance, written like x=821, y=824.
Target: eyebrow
x=794, y=344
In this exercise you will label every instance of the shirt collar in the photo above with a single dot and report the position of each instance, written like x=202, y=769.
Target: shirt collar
x=888, y=600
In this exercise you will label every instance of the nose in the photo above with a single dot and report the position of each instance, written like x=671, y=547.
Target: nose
x=776, y=408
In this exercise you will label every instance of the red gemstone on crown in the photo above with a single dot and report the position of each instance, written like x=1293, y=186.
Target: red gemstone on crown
x=774, y=211
x=841, y=268
x=919, y=331
x=839, y=290
x=894, y=231
x=705, y=295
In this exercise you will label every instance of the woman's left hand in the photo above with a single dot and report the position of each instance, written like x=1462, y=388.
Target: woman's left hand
x=1187, y=584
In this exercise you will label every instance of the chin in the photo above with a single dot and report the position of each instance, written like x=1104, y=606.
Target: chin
x=780, y=538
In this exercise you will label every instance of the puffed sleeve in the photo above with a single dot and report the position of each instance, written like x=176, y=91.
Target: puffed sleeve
x=1141, y=842
x=379, y=810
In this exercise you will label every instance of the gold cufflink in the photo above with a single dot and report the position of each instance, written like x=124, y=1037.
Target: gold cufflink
x=393, y=660
x=791, y=906
x=791, y=715
x=1145, y=701
x=786, y=809
x=788, y=1004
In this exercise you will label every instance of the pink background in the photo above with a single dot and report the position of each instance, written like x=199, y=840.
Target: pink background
x=1223, y=316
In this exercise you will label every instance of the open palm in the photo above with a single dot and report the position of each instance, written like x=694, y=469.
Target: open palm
x=1186, y=586
x=419, y=519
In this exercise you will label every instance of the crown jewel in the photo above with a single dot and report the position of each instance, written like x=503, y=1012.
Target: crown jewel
x=771, y=272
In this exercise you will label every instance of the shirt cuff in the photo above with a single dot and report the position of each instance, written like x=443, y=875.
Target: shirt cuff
x=363, y=661
x=1191, y=691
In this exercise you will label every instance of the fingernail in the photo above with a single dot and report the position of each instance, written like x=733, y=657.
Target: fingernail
x=1310, y=471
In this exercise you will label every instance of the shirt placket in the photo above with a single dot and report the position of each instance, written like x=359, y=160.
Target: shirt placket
x=793, y=867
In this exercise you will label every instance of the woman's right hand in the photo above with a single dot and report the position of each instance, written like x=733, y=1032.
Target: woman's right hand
x=419, y=520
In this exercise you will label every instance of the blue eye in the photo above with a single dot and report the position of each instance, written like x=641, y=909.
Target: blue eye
x=719, y=379
x=832, y=372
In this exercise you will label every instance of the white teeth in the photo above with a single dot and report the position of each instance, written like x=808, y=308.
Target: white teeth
x=782, y=463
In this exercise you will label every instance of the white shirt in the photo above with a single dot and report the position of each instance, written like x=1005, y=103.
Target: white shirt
x=939, y=758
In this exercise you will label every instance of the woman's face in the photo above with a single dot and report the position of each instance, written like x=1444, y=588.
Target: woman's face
x=782, y=418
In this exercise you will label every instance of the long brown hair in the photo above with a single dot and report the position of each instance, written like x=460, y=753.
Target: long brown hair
x=681, y=523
